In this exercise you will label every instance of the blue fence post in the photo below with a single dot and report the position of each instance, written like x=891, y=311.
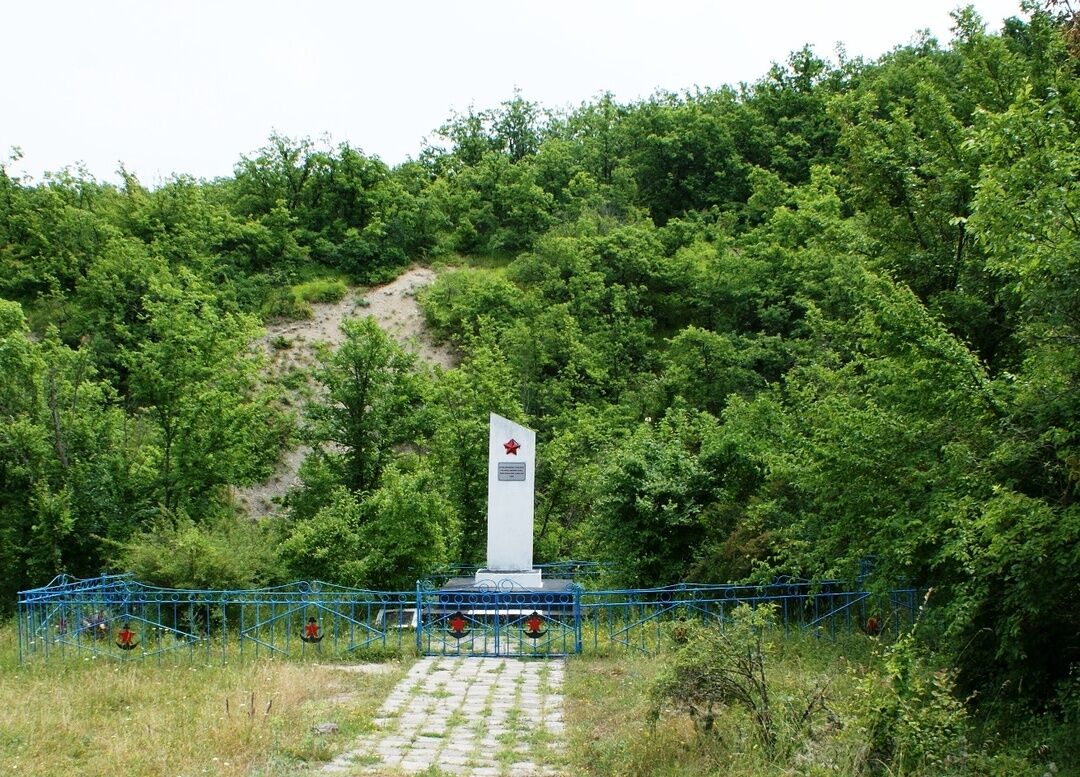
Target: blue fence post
x=20, y=627
x=419, y=621
x=576, y=591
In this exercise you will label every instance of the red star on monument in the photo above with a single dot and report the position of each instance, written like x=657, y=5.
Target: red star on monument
x=511, y=447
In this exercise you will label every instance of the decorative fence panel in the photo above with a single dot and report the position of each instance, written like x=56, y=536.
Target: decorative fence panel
x=117, y=618
x=498, y=622
x=637, y=620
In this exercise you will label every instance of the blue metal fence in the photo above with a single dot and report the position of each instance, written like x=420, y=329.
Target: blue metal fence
x=636, y=620
x=116, y=617
x=498, y=621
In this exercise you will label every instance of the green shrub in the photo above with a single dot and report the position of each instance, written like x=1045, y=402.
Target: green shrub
x=227, y=553
x=384, y=540
x=321, y=290
x=295, y=379
x=293, y=303
x=725, y=666
x=454, y=302
x=916, y=723
x=282, y=305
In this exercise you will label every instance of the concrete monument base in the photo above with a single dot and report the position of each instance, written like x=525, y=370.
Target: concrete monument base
x=530, y=578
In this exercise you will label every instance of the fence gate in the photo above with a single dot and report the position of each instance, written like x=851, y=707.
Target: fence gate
x=520, y=623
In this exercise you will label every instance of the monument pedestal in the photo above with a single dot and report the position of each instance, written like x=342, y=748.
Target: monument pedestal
x=530, y=578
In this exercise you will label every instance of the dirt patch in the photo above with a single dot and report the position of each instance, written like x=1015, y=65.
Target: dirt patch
x=291, y=348
x=394, y=306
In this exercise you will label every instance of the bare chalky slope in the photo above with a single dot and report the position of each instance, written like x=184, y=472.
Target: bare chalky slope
x=471, y=717
x=393, y=305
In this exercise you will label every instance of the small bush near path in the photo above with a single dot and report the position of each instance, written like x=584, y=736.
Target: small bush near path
x=715, y=669
x=99, y=717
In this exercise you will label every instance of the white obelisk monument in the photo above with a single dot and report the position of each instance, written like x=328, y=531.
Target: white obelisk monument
x=511, y=482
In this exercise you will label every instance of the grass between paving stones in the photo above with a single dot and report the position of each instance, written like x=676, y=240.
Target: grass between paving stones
x=507, y=753
x=547, y=747
x=480, y=728
x=99, y=717
x=512, y=728
x=545, y=679
x=542, y=747
x=523, y=739
x=456, y=720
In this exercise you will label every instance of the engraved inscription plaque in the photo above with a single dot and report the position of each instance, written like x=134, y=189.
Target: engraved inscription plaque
x=511, y=470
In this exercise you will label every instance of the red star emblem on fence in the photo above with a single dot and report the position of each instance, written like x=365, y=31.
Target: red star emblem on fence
x=532, y=626
x=125, y=638
x=457, y=624
x=312, y=632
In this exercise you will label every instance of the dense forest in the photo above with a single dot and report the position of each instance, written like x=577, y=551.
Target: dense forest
x=826, y=324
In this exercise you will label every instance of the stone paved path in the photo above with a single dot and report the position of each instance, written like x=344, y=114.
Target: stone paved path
x=471, y=717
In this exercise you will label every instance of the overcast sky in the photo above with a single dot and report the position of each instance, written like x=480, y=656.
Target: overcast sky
x=187, y=87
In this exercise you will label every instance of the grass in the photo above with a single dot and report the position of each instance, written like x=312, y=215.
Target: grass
x=608, y=734
x=321, y=290
x=98, y=717
x=293, y=303
x=608, y=704
x=95, y=717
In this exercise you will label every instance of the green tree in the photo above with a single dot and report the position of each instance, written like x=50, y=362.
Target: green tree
x=704, y=368
x=327, y=545
x=907, y=128
x=407, y=533
x=518, y=127
x=653, y=492
x=52, y=232
x=109, y=302
x=495, y=206
x=386, y=540
x=195, y=379
x=787, y=127
x=684, y=154
x=68, y=468
x=371, y=391
x=1023, y=547
x=24, y=449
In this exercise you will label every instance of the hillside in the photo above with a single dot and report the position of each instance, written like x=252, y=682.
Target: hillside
x=291, y=346
x=824, y=325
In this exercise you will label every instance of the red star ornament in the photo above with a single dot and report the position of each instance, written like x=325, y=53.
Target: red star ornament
x=125, y=639
x=457, y=625
x=512, y=447
x=532, y=626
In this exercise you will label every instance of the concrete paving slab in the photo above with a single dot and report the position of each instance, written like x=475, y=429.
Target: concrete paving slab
x=474, y=717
